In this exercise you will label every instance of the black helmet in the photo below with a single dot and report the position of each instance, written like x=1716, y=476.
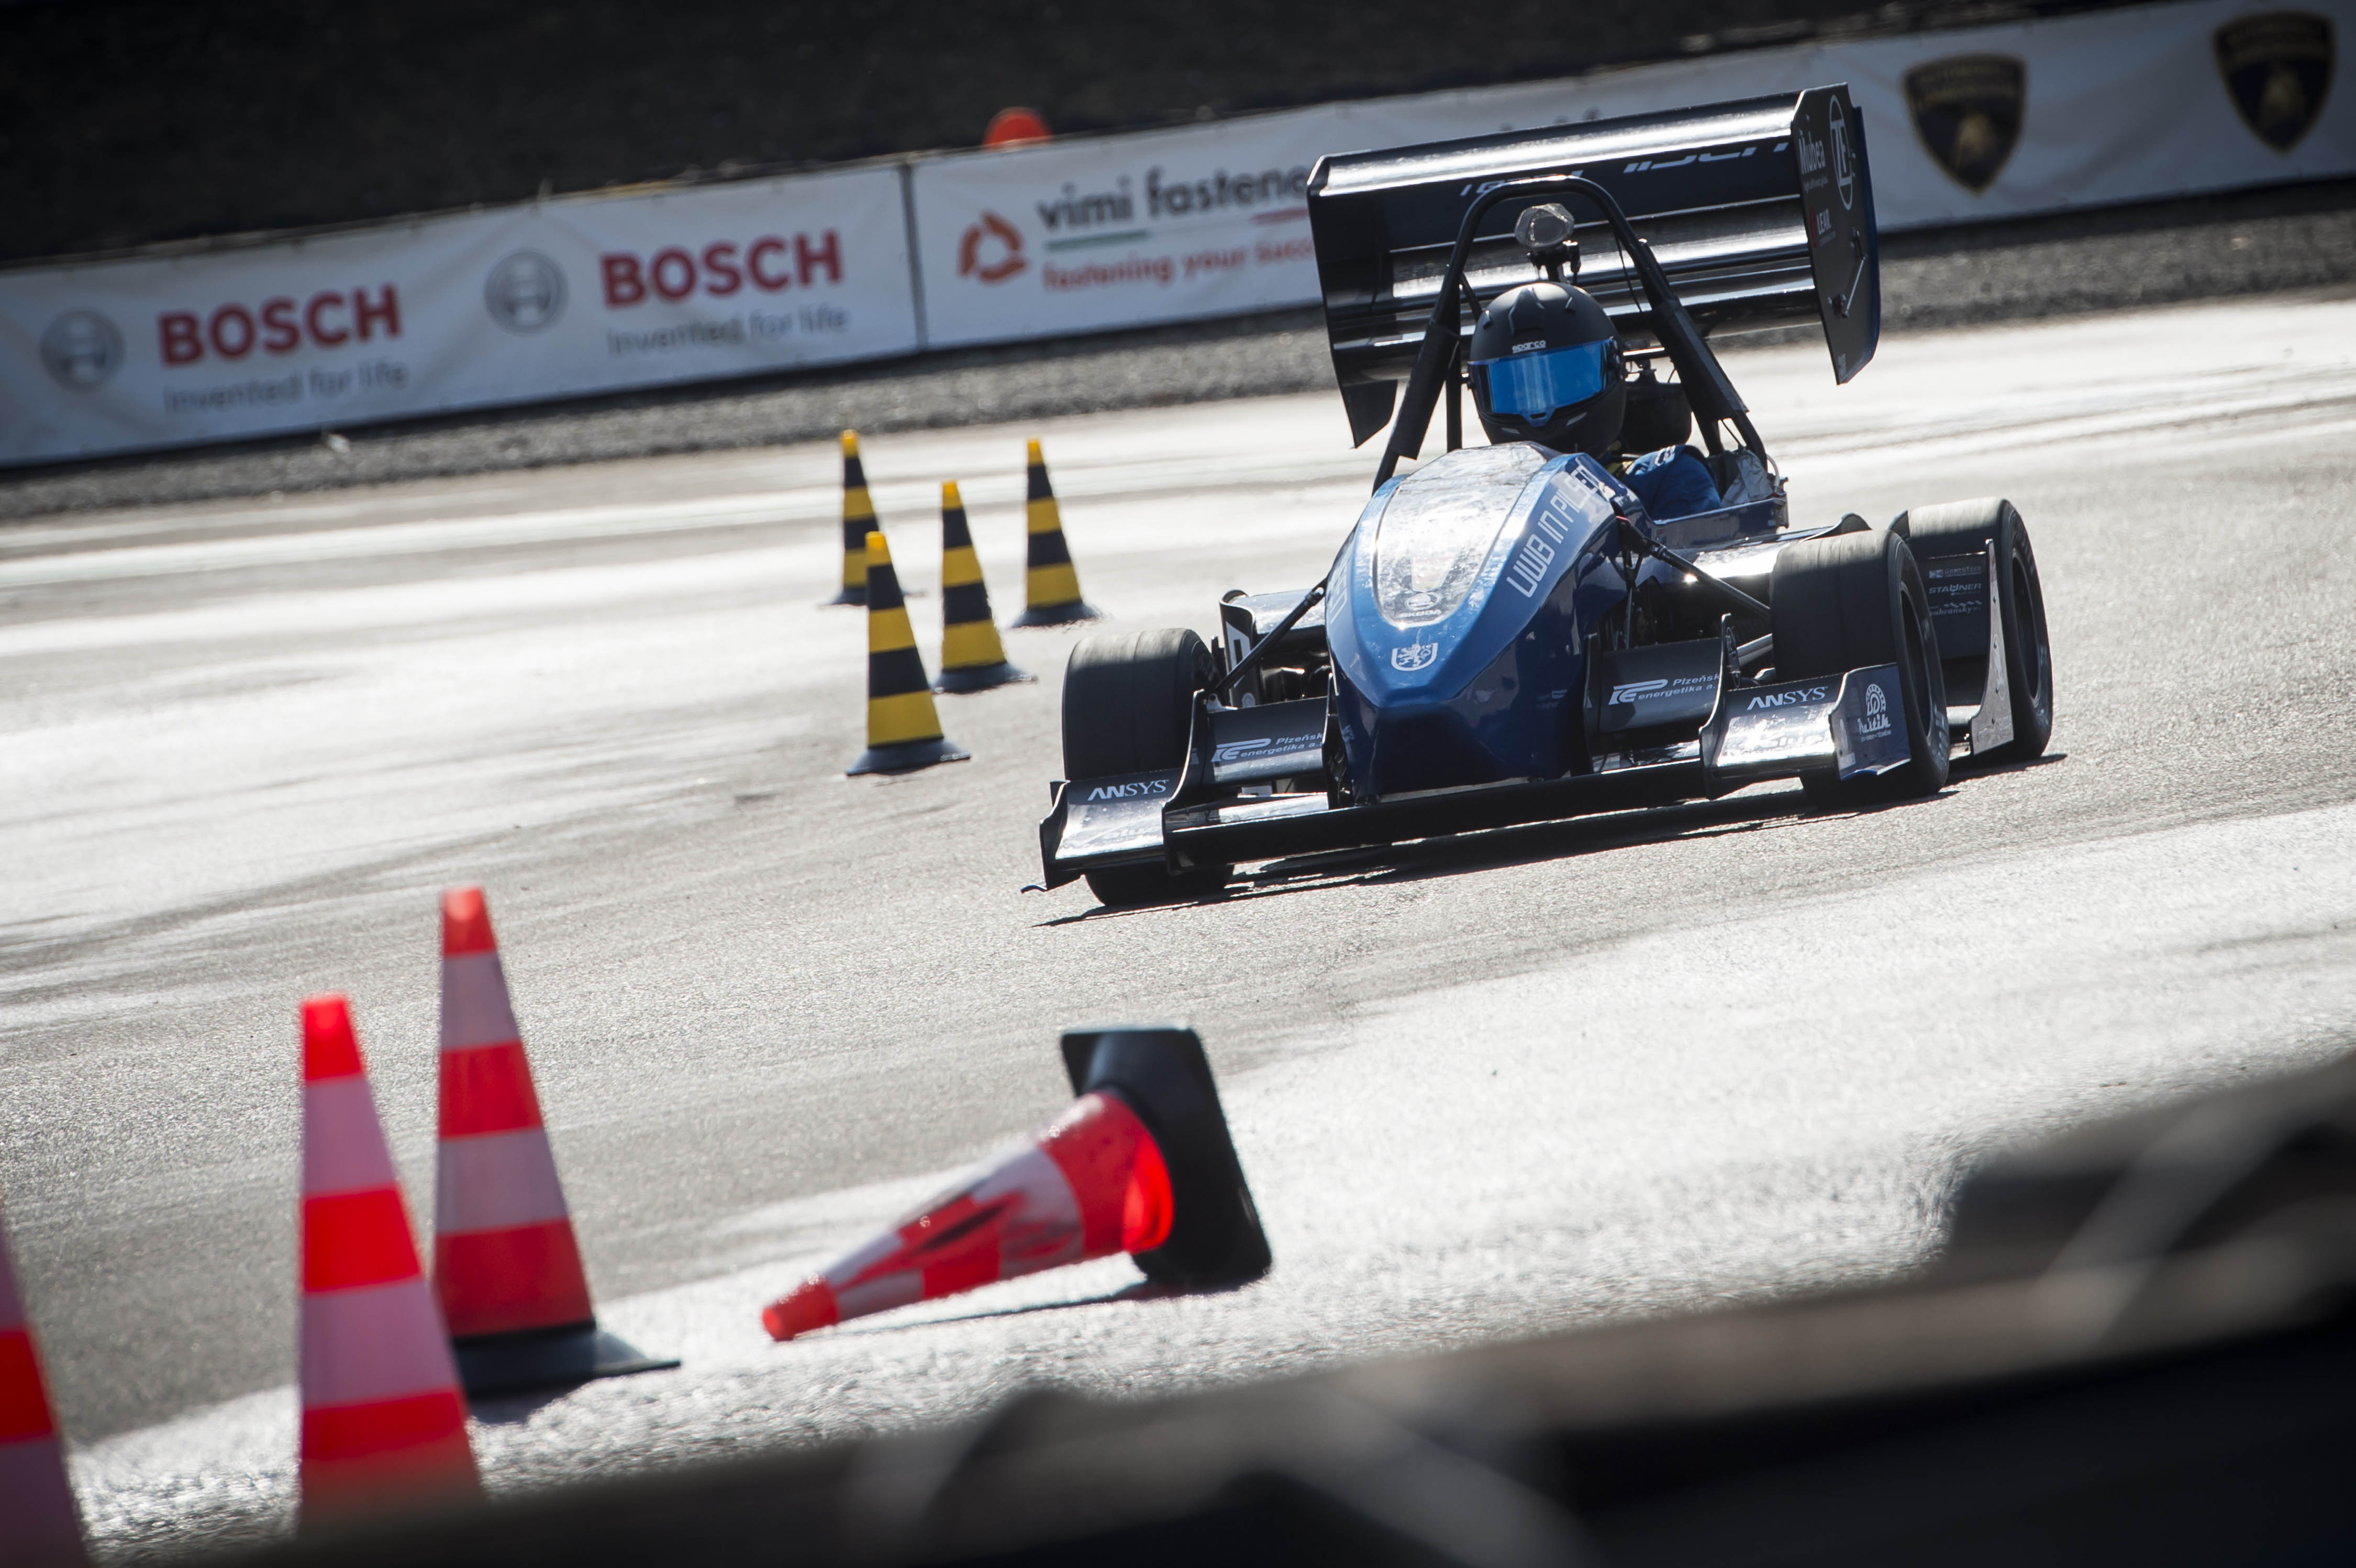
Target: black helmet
x=1546, y=368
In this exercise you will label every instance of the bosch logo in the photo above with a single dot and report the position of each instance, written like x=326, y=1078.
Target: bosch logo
x=328, y=319
x=525, y=292
x=1415, y=656
x=722, y=268
x=991, y=251
x=81, y=349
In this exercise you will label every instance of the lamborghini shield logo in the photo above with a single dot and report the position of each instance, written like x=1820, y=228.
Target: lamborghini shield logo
x=2277, y=66
x=1968, y=109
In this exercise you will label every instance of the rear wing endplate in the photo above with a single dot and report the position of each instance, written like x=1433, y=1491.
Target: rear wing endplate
x=1761, y=213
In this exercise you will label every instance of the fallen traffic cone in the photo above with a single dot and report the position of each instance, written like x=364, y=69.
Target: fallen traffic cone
x=858, y=522
x=507, y=1268
x=972, y=659
x=1051, y=587
x=382, y=1420
x=904, y=728
x=1141, y=1163
x=40, y=1526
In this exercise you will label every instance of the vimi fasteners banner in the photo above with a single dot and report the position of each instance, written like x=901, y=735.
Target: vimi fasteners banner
x=1113, y=231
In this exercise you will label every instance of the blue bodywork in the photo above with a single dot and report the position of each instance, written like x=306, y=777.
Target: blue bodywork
x=1458, y=616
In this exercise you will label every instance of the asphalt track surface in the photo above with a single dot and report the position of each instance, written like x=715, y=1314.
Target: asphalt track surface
x=1483, y=1089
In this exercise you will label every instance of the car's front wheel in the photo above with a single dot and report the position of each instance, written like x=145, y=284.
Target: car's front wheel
x=1128, y=707
x=1966, y=527
x=1850, y=601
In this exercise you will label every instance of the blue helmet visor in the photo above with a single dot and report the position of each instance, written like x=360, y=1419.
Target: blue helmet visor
x=1532, y=386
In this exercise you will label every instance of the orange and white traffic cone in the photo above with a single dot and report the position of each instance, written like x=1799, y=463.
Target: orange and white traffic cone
x=507, y=1267
x=39, y=1527
x=382, y=1419
x=1141, y=1163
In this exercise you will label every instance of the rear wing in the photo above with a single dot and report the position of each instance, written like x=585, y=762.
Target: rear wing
x=1761, y=213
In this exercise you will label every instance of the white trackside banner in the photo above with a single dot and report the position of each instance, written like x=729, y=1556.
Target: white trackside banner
x=1119, y=230
x=525, y=303
x=592, y=294
x=1963, y=126
x=2030, y=117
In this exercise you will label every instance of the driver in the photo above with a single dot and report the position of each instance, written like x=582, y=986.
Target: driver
x=1546, y=368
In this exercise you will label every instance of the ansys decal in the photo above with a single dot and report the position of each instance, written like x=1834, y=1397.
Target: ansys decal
x=2277, y=66
x=1968, y=109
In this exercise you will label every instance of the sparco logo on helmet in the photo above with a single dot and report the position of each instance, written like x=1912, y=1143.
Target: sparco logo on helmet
x=525, y=292
x=81, y=349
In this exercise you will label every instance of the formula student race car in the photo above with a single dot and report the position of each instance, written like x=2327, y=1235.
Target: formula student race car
x=1507, y=636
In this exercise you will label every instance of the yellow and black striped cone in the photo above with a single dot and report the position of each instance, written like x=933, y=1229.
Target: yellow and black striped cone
x=858, y=522
x=1051, y=587
x=904, y=731
x=972, y=659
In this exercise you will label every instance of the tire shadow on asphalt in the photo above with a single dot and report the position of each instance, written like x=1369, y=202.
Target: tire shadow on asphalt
x=1143, y=1290
x=1531, y=843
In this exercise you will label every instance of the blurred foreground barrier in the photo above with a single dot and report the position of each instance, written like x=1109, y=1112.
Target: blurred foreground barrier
x=2140, y=1348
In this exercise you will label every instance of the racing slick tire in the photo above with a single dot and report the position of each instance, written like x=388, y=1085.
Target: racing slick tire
x=1128, y=707
x=1848, y=601
x=1963, y=528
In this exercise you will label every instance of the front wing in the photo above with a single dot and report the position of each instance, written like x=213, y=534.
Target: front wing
x=1254, y=788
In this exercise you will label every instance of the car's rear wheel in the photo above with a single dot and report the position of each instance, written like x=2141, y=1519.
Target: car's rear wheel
x=1854, y=600
x=1965, y=528
x=1128, y=707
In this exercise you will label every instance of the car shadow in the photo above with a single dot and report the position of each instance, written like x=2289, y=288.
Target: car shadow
x=1526, y=844
x=517, y=1410
x=1523, y=844
x=1143, y=1290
